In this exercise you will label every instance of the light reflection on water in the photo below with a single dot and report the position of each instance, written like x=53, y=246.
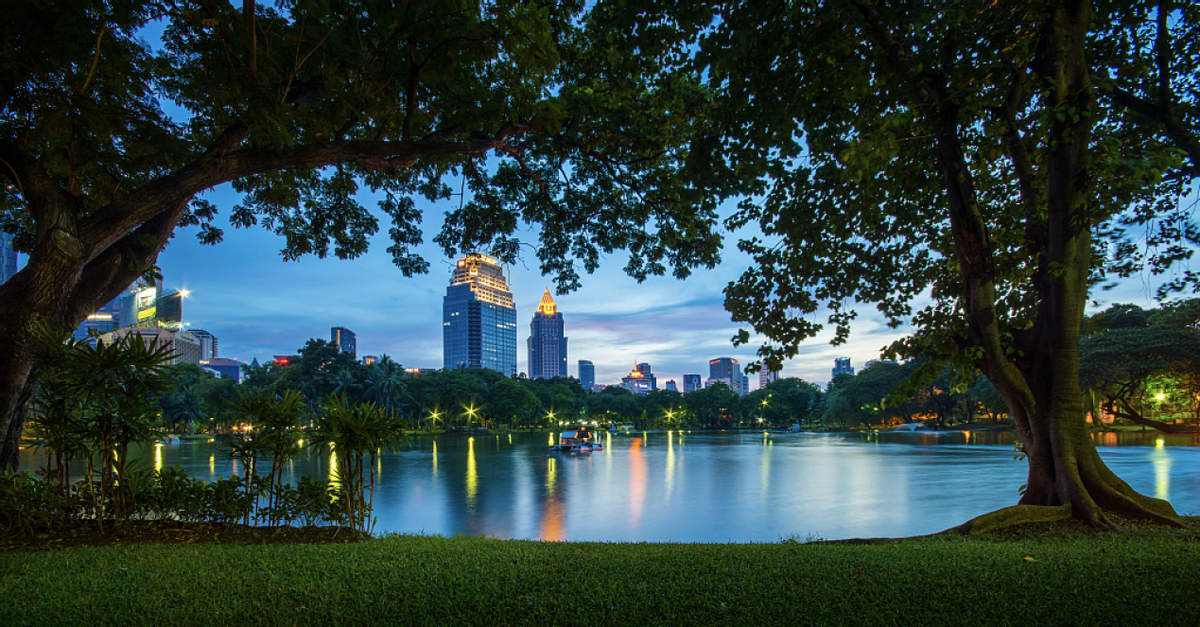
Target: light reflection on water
x=696, y=486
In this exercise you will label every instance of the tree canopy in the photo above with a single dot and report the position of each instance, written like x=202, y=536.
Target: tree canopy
x=110, y=134
x=993, y=159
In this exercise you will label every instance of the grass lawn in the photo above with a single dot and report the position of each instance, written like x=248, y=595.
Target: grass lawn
x=1035, y=577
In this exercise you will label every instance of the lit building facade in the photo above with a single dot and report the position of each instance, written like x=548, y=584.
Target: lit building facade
x=841, y=365
x=547, y=344
x=728, y=369
x=106, y=320
x=224, y=367
x=691, y=383
x=479, y=319
x=208, y=344
x=766, y=378
x=640, y=381
x=183, y=345
x=345, y=340
x=8, y=257
x=587, y=374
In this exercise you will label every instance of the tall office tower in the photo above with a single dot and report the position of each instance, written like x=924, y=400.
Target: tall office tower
x=841, y=365
x=479, y=319
x=8, y=257
x=640, y=381
x=766, y=378
x=547, y=346
x=587, y=374
x=671, y=387
x=691, y=383
x=344, y=340
x=208, y=344
x=728, y=369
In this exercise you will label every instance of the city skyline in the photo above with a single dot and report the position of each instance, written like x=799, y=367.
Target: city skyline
x=258, y=306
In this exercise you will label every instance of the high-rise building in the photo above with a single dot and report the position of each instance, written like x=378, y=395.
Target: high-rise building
x=344, y=339
x=208, y=344
x=479, y=319
x=8, y=257
x=587, y=374
x=766, y=377
x=671, y=387
x=841, y=365
x=547, y=345
x=691, y=383
x=106, y=319
x=728, y=369
x=640, y=381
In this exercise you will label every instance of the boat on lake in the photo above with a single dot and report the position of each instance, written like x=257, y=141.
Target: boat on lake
x=577, y=440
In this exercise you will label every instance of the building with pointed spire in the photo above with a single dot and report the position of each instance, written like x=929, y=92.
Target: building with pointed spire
x=641, y=380
x=547, y=344
x=479, y=318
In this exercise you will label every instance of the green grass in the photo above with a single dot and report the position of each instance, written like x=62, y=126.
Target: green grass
x=1145, y=579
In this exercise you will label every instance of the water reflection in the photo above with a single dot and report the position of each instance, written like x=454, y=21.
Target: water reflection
x=637, y=480
x=669, y=477
x=1161, y=461
x=472, y=475
x=699, y=487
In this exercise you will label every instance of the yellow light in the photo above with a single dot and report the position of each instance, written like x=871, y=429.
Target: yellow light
x=1160, y=396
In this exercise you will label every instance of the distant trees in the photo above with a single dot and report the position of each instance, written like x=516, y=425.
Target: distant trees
x=1144, y=366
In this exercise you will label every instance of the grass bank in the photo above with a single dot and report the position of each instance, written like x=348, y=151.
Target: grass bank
x=1140, y=579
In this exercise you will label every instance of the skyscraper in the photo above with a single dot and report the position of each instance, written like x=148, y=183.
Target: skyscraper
x=8, y=257
x=208, y=344
x=841, y=365
x=547, y=345
x=344, y=339
x=728, y=369
x=766, y=377
x=479, y=319
x=587, y=374
x=691, y=383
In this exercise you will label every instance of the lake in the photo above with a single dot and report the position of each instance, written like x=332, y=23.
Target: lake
x=697, y=486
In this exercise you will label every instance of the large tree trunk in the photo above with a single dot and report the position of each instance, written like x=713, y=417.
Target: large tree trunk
x=62, y=284
x=1064, y=466
x=1040, y=381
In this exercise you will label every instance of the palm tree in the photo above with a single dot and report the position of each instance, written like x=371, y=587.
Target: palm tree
x=385, y=383
x=357, y=434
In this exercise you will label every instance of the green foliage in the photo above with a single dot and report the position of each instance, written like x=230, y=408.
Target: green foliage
x=354, y=435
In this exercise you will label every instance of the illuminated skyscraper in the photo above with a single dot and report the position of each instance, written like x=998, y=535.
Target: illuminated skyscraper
x=728, y=369
x=841, y=365
x=479, y=319
x=766, y=377
x=547, y=346
x=344, y=339
x=587, y=374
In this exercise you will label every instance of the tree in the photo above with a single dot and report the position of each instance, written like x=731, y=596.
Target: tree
x=998, y=158
x=542, y=109
x=715, y=406
x=1120, y=363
